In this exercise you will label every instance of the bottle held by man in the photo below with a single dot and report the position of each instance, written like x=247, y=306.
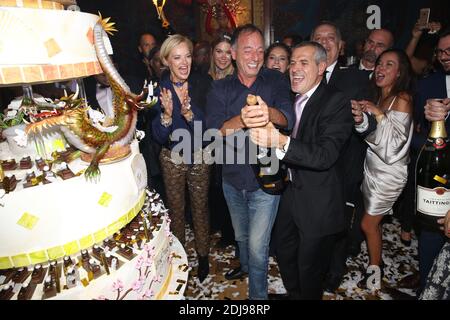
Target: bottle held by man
x=433, y=178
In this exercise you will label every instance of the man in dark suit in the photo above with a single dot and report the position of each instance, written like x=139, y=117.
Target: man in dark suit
x=378, y=41
x=311, y=212
x=355, y=85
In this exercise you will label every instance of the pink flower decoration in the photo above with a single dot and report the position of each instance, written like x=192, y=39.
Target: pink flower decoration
x=157, y=278
x=118, y=285
x=137, y=285
x=149, y=294
x=139, y=262
x=148, y=262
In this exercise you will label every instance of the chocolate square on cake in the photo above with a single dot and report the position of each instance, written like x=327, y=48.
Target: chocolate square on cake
x=49, y=289
x=9, y=184
x=94, y=267
x=26, y=292
x=110, y=243
x=9, y=164
x=126, y=252
x=21, y=275
x=6, y=275
x=65, y=174
x=38, y=274
x=97, y=252
x=7, y=292
x=25, y=163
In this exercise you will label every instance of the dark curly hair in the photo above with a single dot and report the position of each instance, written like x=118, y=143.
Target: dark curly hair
x=405, y=82
x=277, y=45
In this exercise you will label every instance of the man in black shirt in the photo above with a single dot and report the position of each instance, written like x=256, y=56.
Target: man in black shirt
x=252, y=210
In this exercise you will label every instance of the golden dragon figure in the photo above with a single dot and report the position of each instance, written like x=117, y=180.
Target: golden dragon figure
x=80, y=131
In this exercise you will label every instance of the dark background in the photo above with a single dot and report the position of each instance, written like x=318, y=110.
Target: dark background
x=291, y=16
x=134, y=17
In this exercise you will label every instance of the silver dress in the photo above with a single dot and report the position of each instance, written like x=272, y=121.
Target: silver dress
x=386, y=163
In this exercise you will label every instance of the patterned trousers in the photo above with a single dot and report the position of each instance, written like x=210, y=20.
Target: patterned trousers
x=197, y=178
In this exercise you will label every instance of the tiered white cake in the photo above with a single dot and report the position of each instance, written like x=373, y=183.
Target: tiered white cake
x=62, y=237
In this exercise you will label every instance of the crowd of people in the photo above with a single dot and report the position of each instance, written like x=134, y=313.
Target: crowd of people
x=349, y=135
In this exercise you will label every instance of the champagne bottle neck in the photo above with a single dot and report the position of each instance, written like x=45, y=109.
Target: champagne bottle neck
x=438, y=130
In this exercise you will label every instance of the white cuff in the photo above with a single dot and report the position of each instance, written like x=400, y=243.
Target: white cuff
x=281, y=153
x=363, y=126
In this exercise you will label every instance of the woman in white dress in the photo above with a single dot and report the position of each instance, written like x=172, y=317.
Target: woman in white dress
x=387, y=157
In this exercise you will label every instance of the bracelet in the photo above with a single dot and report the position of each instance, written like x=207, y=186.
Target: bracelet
x=379, y=117
x=165, y=122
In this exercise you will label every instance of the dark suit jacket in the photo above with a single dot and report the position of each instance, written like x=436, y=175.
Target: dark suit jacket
x=355, y=85
x=433, y=86
x=324, y=128
x=353, y=82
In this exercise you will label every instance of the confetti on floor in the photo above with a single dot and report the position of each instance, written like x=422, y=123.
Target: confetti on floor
x=400, y=261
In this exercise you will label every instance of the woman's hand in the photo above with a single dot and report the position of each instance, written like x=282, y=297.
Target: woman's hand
x=417, y=31
x=445, y=222
x=186, y=111
x=166, y=102
x=434, y=27
x=370, y=107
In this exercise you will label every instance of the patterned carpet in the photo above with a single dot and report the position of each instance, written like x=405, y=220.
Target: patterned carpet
x=399, y=260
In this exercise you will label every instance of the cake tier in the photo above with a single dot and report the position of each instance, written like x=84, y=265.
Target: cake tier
x=48, y=221
x=34, y=4
x=155, y=269
x=40, y=45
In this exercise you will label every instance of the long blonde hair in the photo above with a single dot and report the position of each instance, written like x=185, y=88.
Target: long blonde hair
x=212, y=67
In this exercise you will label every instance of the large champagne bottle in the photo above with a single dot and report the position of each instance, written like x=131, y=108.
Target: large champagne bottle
x=272, y=179
x=433, y=178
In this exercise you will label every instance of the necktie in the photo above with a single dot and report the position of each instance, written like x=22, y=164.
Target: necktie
x=298, y=112
x=327, y=76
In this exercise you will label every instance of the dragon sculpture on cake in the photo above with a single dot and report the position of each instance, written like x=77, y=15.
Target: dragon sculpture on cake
x=112, y=140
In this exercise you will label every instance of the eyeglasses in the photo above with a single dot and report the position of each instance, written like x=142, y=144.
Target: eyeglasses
x=440, y=52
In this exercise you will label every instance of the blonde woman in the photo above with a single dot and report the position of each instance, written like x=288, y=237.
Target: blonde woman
x=180, y=108
x=221, y=66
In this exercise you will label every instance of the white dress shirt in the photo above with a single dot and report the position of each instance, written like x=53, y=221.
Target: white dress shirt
x=279, y=152
x=330, y=70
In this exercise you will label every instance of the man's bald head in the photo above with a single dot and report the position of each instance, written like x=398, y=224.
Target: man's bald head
x=377, y=42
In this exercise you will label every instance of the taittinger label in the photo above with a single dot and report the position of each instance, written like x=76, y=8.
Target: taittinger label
x=433, y=202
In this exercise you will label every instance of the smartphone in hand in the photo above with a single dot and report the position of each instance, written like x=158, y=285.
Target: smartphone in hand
x=424, y=17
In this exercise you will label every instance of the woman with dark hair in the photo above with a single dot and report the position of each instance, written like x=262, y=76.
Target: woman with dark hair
x=277, y=57
x=387, y=157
